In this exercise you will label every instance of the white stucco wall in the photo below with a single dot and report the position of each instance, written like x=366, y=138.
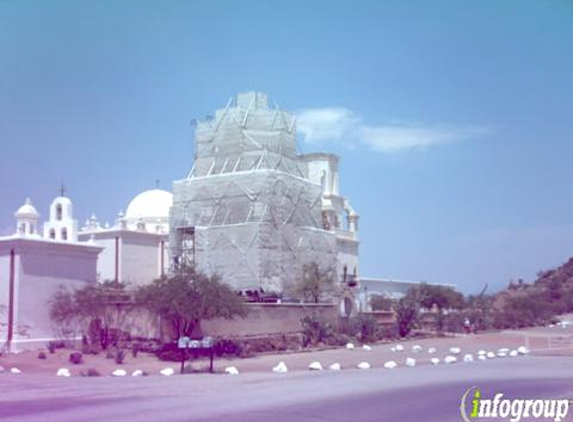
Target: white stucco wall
x=139, y=257
x=139, y=254
x=42, y=267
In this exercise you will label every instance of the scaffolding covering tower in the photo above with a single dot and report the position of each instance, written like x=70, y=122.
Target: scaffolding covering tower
x=252, y=209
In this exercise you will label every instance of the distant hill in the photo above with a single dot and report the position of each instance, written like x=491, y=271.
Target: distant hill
x=527, y=304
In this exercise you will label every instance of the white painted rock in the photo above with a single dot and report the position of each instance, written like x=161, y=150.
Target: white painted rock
x=390, y=364
x=450, y=359
x=63, y=372
x=411, y=362
x=399, y=348
x=482, y=352
x=364, y=365
x=503, y=350
x=490, y=355
x=335, y=367
x=349, y=346
x=15, y=370
x=231, y=370
x=416, y=348
x=482, y=357
x=455, y=350
x=366, y=347
x=137, y=373
x=315, y=366
x=432, y=350
x=501, y=354
x=468, y=358
x=435, y=361
x=513, y=353
x=167, y=372
x=119, y=373
x=281, y=368
x=522, y=350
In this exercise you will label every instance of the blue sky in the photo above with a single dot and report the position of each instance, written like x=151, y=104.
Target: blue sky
x=453, y=118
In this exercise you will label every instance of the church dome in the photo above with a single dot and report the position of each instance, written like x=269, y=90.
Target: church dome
x=27, y=210
x=150, y=206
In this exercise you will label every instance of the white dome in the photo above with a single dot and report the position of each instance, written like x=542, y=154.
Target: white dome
x=27, y=210
x=150, y=205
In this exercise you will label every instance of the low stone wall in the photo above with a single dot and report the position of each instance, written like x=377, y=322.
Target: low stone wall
x=382, y=317
x=270, y=318
x=263, y=319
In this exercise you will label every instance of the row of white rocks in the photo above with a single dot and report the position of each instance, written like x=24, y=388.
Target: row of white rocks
x=65, y=372
x=411, y=362
x=317, y=366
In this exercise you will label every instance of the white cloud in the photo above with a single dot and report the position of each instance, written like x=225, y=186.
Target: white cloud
x=326, y=124
x=344, y=126
x=392, y=138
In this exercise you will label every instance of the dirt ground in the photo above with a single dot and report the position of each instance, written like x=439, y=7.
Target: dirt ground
x=542, y=341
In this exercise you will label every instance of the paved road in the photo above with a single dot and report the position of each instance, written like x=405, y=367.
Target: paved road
x=404, y=394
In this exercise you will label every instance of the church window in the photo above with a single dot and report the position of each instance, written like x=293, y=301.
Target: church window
x=52, y=234
x=64, y=234
x=59, y=212
x=32, y=229
x=22, y=228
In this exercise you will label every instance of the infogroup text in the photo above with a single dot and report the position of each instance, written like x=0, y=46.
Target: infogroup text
x=473, y=407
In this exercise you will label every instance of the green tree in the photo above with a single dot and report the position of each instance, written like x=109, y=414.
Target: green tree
x=442, y=298
x=314, y=284
x=186, y=298
x=381, y=303
x=480, y=309
x=92, y=310
x=407, y=311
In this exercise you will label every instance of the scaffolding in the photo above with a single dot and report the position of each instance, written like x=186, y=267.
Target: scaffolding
x=247, y=206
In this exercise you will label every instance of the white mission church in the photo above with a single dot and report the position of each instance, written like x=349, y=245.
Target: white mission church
x=258, y=207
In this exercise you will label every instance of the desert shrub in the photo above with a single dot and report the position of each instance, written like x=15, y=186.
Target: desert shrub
x=91, y=372
x=454, y=322
x=120, y=356
x=228, y=347
x=170, y=352
x=388, y=332
x=407, y=312
x=365, y=327
x=42, y=355
x=340, y=339
x=53, y=346
x=525, y=310
x=76, y=358
x=90, y=349
x=316, y=330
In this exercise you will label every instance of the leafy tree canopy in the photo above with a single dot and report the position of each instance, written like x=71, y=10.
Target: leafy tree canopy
x=187, y=298
x=314, y=284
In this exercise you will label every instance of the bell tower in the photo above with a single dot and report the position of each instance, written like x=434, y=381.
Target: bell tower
x=61, y=225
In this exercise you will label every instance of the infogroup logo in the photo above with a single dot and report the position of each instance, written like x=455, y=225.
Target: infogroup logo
x=474, y=407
